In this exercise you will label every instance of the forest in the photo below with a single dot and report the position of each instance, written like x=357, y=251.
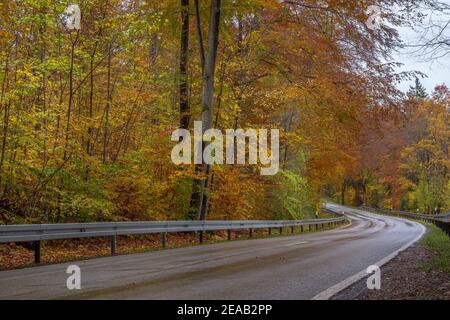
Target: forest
x=86, y=114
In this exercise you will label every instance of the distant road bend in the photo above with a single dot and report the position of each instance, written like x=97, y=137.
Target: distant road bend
x=304, y=266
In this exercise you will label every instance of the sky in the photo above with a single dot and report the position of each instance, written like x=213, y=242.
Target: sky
x=438, y=71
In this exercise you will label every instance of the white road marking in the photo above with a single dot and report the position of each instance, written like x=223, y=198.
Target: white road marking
x=330, y=292
x=295, y=244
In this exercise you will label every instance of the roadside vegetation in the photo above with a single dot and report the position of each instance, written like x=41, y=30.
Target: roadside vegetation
x=86, y=115
x=439, y=243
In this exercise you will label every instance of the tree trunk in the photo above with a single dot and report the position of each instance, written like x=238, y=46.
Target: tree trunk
x=208, y=93
x=6, y=116
x=199, y=34
x=71, y=94
x=184, y=64
x=343, y=187
x=107, y=107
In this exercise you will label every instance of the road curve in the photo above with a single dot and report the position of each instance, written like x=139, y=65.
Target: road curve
x=290, y=267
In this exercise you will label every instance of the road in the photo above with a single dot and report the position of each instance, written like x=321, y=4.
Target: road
x=289, y=267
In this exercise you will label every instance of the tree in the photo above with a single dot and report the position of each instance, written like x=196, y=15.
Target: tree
x=184, y=65
x=417, y=91
x=207, y=99
x=86, y=117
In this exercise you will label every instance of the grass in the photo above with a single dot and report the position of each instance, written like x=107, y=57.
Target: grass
x=439, y=243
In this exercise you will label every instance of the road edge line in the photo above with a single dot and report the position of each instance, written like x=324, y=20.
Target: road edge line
x=332, y=291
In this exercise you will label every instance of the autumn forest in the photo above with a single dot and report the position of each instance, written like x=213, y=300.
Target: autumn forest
x=86, y=115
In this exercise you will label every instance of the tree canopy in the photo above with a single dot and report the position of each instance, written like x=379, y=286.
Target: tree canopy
x=87, y=115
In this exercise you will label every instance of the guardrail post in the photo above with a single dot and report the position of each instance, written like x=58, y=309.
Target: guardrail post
x=229, y=234
x=292, y=229
x=200, y=237
x=164, y=239
x=270, y=231
x=250, y=233
x=301, y=228
x=281, y=230
x=37, y=252
x=113, y=245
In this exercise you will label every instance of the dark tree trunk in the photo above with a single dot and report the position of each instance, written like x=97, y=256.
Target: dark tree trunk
x=184, y=64
x=343, y=193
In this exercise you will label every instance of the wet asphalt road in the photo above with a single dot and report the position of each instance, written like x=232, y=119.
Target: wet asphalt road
x=289, y=267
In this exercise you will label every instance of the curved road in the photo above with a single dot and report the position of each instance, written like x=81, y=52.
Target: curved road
x=291, y=267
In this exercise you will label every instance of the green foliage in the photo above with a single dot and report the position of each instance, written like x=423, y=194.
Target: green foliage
x=78, y=207
x=425, y=196
x=439, y=243
x=292, y=198
x=417, y=91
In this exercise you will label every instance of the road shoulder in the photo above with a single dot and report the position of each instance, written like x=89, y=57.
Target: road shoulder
x=422, y=272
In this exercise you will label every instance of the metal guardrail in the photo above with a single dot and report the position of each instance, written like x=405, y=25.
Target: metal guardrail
x=441, y=221
x=39, y=232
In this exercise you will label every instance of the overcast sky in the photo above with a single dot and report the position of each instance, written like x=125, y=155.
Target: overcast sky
x=438, y=72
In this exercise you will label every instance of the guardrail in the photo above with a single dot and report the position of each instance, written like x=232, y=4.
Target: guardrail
x=441, y=222
x=35, y=233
